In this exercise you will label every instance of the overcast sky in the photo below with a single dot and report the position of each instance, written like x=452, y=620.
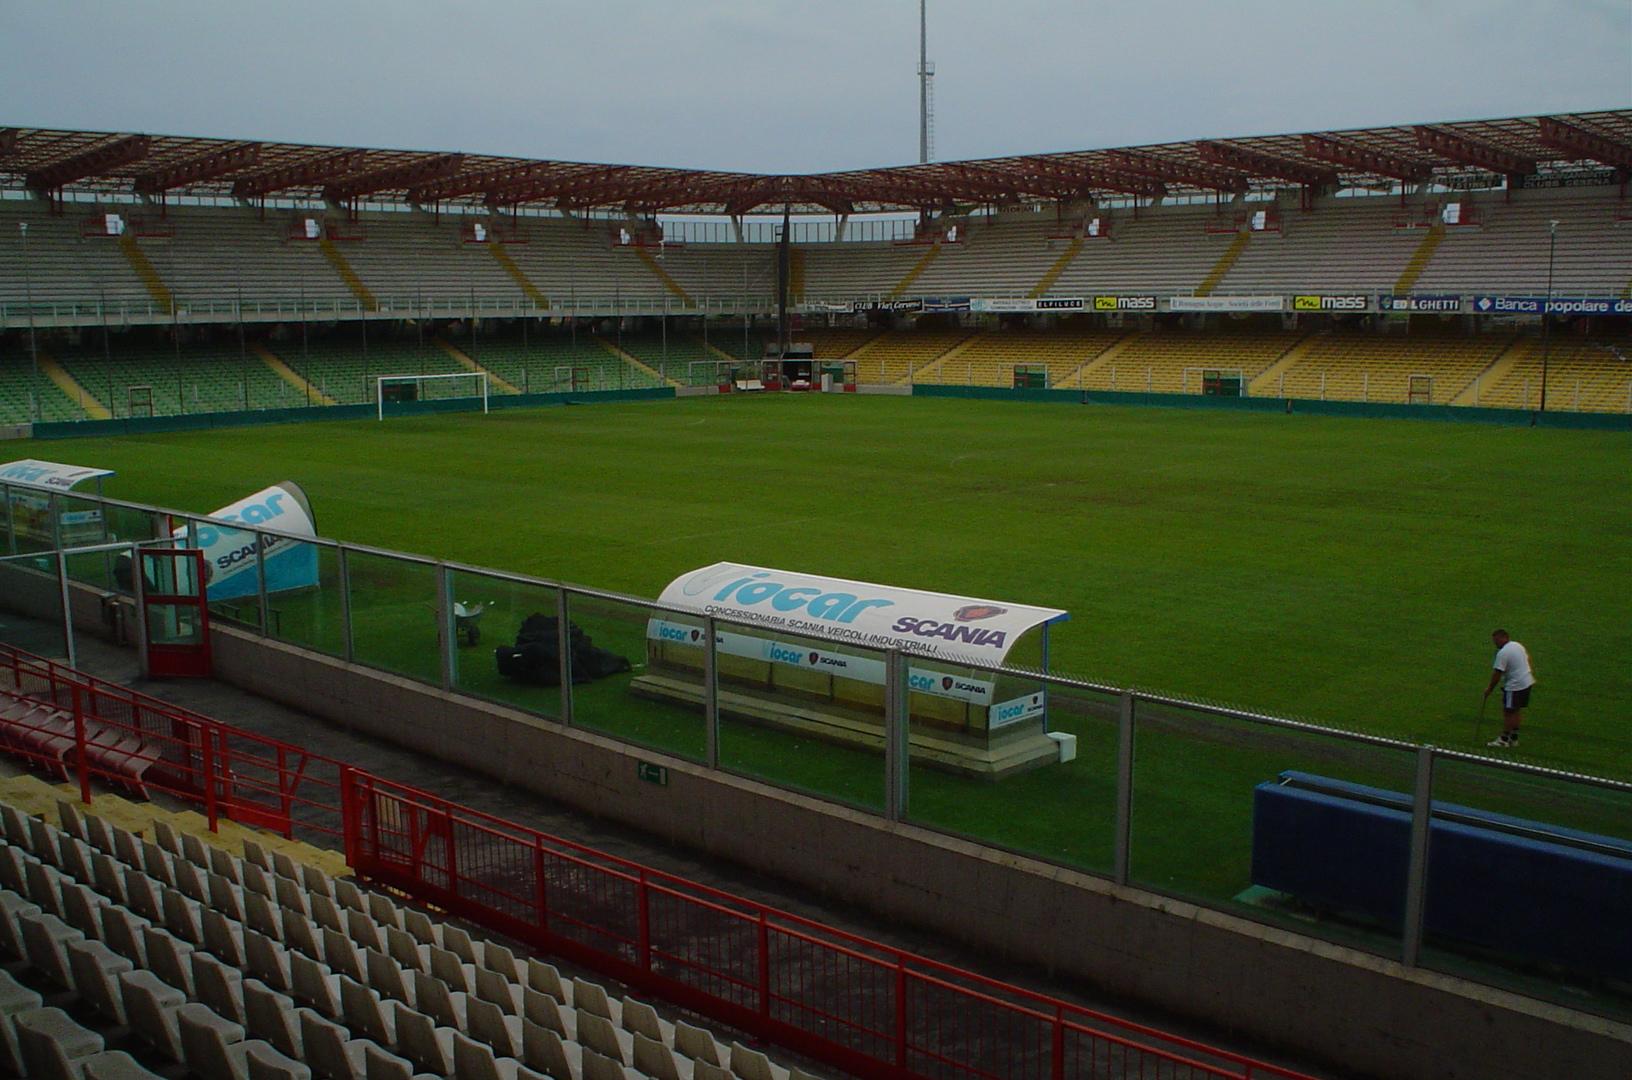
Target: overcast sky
x=775, y=86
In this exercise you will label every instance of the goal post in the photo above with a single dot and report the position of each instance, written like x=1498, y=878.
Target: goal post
x=1215, y=382
x=402, y=389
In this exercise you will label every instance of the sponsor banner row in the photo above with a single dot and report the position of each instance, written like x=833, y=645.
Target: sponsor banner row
x=1533, y=305
x=860, y=668
x=1419, y=303
x=1331, y=302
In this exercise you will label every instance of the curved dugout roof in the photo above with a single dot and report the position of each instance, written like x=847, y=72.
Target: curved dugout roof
x=50, y=162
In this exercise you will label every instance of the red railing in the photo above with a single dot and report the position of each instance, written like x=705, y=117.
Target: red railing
x=871, y=1009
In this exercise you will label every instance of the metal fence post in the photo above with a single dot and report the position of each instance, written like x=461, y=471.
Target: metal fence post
x=1416, y=881
x=11, y=519
x=67, y=609
x=711, y=693
x=444, y=626
x=1124, y=787
x=260, y=579
x=138, y=585
x=342, y=563
x=54, y=507
x=563, y=638
x=896, y=756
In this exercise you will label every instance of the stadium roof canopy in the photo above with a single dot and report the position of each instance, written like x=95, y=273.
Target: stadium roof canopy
x=52, y=162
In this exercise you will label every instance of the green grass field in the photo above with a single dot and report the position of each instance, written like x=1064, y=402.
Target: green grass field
x=1342, y=571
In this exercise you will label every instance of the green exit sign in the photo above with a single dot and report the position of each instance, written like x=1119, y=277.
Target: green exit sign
x=652, y=774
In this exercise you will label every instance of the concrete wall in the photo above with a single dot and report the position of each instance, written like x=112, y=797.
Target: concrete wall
x=1362, y=1014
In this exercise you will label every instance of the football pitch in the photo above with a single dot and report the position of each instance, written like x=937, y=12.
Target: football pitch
x=1346, y=572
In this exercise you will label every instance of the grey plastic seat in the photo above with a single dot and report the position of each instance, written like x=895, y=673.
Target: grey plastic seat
x=213, y=1047
x=340, y=953
x=544, y=1051
x=115, y=1065
x=598, y=1033
x=157, y=864
x=263, y=915
x=82, y=908
x=386, y=978
x=272, y=1016
x=193, y=881
x=290, y=896
x=326, y=913
x=124, y=933
x=285, y=866
x=142, y=895
x=224, y=937
x=300, y=935
x=461, y=944
x=657, y=1061
x=255, y=854
x=598, y=1066
x=96, y=970
x=381, y=1064
x=107, y=876
x=545, y=1011
x=150, y=1008
x=702, y=1070
x=640, y=1018
x=456, y=973
x=473, y=1060
x=421, y=1041
x=226, y=864
x=494, y=987
x=219, y=986
x=75, y=857
x=315, y=880
x=98, y=834
x=547, y=979
x=487, y=1023
x=43, y=884
x=383, y=910
x=347, y=894
x=51, y=1041
x=591, y=997
x=169, y=958
x=366, y=1014
x=329, y=1048
x=257, y=880
x=127, y=847
x=432, y=997
x=363, y=931
x=697, y=1044
x=496, y=957
x=312, y=984
x=266, y=1063
x=14, y=998
x=225, y=896
x=265, y=959
x=751, y=1064
x=407, y=950
x=181, y=916
x=13, y=906
x=45, y=942
x=194, y=850
x=166, y=836
x=12, y=873
x=419, y=925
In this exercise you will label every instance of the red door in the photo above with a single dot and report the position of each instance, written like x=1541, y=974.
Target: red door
x=176, y=614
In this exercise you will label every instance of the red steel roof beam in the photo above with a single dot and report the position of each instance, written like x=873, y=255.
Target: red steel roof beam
x=482, y=181
x=303, y=173
x=196, y=170
x=88, y=163
x=564, y=185
x=1476, y=152
x=1585, y=145
x=1258, y=163
x=1365, y=159
x=394, y=177
x=1179, y=172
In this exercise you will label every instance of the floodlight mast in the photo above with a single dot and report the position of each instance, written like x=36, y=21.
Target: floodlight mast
x=924, y=73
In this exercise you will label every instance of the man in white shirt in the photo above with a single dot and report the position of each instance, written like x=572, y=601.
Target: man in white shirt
x=1512, y=669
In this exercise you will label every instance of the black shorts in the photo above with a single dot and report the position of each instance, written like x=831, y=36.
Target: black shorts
x=1516, y=699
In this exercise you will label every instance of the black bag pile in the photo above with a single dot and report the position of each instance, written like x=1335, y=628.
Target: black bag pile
x=536, y=656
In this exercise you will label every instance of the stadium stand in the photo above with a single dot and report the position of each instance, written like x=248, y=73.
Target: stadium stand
x=1145, y=225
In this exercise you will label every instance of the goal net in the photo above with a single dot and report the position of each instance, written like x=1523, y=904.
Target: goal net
x=404, y=389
